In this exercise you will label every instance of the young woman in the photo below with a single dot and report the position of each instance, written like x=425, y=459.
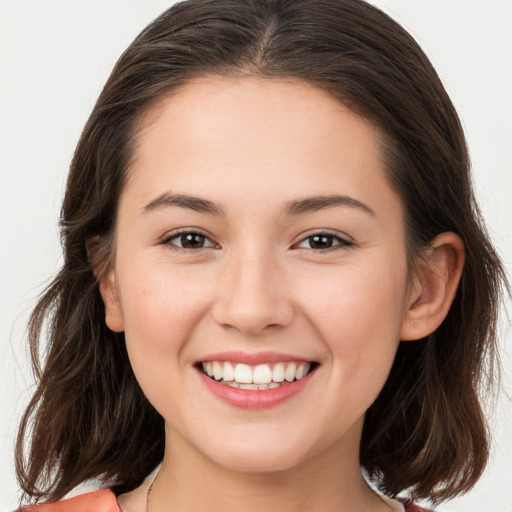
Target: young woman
x=275, y=275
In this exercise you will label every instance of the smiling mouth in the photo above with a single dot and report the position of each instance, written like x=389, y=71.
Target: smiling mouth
x=256, y=377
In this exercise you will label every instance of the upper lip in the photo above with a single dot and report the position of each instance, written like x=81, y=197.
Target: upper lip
x=253, y=358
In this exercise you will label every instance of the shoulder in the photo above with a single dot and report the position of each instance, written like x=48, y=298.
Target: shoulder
x=103, y=500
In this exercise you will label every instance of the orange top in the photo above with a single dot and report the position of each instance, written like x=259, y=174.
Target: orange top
x=105, y=500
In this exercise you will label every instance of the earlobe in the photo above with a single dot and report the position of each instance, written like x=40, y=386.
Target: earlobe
x=100, y=256
x=110, y=295
x=434, y=286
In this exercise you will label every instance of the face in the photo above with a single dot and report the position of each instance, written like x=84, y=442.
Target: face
x=258, y=240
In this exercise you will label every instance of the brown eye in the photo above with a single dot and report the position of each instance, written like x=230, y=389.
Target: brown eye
x=189, y=240
x=323, y=241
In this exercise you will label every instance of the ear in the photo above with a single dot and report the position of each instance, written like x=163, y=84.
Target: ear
x=110, y=295
x=100, y=256
x=433, y=287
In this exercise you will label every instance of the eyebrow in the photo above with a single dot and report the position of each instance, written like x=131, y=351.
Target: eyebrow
x=299, y=207
x=316, y=203
x=169, y=199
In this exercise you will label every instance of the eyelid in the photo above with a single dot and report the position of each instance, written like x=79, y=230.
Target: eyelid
x=166, y=239
x=345, y=240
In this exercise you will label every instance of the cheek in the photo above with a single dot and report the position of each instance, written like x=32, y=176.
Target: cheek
x=351, y=294
x=358, y=312
x=157, y=295
x=161, y=308
x=358, y=315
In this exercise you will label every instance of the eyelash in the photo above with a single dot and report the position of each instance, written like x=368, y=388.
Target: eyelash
x=341, y=242
x=181, y=233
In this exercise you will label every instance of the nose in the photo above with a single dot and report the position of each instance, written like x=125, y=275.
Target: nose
x=252, y=296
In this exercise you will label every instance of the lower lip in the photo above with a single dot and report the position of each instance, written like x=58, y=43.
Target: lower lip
x=254, y=399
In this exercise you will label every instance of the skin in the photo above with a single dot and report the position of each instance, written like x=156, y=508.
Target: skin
x=252, y=146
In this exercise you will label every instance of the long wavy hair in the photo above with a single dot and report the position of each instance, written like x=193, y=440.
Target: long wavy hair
x=426, y=432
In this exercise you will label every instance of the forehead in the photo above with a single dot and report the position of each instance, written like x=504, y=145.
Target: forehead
x=223, y=137
x=209, y=107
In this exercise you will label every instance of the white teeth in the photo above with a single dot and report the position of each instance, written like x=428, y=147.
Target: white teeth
x=243, y=373
x=261, y=376
x=217, y=370
x=249, y=386
x=278, y=372
x=260, y=387
x=302, y=370
x=289, y=374
x=229, y=372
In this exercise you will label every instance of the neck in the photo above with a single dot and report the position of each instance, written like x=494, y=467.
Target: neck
x=332, y=481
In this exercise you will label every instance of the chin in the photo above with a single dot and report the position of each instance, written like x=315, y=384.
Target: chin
x=260, y=463
x=258, y=455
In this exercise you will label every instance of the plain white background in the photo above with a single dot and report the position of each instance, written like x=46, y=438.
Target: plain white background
x=55, y=57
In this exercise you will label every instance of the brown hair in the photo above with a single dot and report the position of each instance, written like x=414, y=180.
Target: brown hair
x=426, y=432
